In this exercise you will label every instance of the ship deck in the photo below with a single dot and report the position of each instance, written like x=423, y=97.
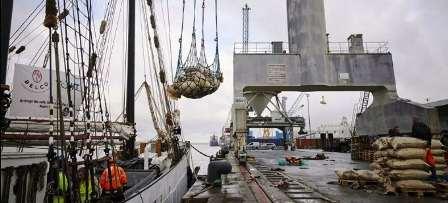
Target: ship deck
x=313, y=182
x=319, y=176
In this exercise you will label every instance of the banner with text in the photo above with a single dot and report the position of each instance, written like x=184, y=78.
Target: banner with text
x=31, y=92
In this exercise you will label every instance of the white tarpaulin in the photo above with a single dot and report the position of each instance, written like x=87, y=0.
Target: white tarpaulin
x=31, y=92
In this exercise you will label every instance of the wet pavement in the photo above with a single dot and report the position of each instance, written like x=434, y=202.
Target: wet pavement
x=320, y=175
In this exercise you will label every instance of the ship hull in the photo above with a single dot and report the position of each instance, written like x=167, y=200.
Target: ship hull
x=169, y=187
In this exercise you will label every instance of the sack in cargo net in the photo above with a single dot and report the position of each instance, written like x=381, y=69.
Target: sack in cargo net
x=194, y=77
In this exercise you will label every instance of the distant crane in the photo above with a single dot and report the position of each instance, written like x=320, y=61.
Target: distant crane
x=295, y=107
x=245, y=28
x=266, y=133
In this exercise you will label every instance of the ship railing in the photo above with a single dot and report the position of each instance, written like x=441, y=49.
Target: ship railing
x=274, y=47
x=358, y=48
x=279, y=47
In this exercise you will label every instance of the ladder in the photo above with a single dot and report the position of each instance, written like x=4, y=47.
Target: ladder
x=360, y=107
x=364, y=101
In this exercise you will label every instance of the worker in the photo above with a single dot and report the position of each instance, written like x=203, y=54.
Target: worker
x=113, y=184
x=85, y=185
x=394, y=132
x=62, y=186
x=444, y=137
x=423, y=132
x=444, y=141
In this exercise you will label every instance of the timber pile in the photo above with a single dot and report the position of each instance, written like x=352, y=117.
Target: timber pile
x=400, y=162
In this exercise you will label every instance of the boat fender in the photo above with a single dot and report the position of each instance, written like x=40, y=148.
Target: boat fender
x=8, y=172
x=103, y=26
x=216, y=169
x=19, y=188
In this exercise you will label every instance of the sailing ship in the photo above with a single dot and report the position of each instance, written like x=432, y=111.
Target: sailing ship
x=56, y=115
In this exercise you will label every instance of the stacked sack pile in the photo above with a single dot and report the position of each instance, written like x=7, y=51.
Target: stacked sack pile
x=400, y=162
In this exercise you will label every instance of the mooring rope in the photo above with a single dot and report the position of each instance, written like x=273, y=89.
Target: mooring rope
x=200, y=151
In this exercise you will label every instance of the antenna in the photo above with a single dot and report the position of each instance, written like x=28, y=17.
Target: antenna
x=245, y=28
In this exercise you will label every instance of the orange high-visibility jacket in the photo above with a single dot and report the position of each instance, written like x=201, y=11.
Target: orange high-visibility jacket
x=118, y=179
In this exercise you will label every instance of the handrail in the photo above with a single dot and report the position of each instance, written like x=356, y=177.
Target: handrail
x=279, y=47
x=367, y=48
x=276, y=47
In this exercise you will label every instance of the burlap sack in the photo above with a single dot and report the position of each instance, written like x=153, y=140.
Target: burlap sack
x=383, y=153
x=436, y=144
x=440, y=166
x=409, y=153
x=440, y=159
x=409, y=174
x=407, y=164
x=382, y=159
x=407, y=142
x=414, y=184
x=367, y=175
x=441, y=173
x=382, y=143
x=346, y=174
x=375, y=166
x=437, y=152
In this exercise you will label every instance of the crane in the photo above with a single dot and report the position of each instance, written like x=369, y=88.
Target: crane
x=295, y=107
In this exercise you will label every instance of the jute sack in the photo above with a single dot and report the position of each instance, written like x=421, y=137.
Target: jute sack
x=383, y=153
x=437, y=152
x=346, y=174
x=382, y=143
x=381, y=160
x=367, y=175
x=440, y=166
x=414, y=184
x=375, y=166
x=407, y=142
x=409, y=174
x=407, y=164
x=441, y=173
x=440, y=159
x=436, y=144
x=409, y=153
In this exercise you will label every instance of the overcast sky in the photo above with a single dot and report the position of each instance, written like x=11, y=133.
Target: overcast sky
x=415, y=29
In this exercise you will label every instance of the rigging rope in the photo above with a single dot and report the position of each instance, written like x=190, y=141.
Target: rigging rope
x=13, y=37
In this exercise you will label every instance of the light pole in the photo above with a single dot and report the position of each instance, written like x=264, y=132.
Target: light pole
x=309, y=119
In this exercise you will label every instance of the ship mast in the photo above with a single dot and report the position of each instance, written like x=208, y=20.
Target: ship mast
x=130, y=144
x=5, y=27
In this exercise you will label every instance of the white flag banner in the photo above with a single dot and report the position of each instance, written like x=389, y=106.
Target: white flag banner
x=31, y=92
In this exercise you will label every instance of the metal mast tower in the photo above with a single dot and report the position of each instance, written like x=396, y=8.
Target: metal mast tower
x=245, y=28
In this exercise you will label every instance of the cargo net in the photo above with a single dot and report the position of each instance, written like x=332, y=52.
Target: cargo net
x=194, y=77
